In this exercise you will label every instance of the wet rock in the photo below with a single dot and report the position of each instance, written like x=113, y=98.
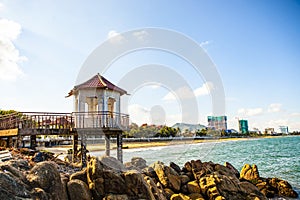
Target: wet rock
x=249, y=173
x=78, y=190
x=15, y=172
x=168, y=192
x=251, y=191
x=46, y=176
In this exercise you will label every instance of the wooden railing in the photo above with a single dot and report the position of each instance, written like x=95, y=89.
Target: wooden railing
x=80, y=120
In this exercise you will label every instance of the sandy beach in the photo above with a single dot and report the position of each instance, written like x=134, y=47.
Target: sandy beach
x=62, y=149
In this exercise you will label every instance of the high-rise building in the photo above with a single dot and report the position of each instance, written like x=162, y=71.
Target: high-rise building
x=217, y=122
x=284, y=129
x=243, y=126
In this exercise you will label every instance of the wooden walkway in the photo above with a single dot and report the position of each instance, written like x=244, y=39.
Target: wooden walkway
x=17, y=125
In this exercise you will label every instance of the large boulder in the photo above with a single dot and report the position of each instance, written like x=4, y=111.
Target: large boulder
x=81, y=175
x=167, y=176
x=12, y=188
x=249, y=173
x=116, y=197
x=193, y=187
x=46, y=176
x=111, y=163
x=136, y=186
x=78, y=190
x=113, y=182
x=157, y=193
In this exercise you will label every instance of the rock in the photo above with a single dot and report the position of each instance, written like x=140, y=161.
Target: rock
x=112, y=163
x=46, y=176
x=249, y=173
x=223, y=170
x=167, y=176
x=196, y=196
x=175, y=167
x=136, y=186
x=251, y=191
x=168, y=192
x=81, y=175
x=184, y=179
x=157, y=193
x=193, y=187
x=281, y=187
x=179, y=196
x=233, y=169
x=113, y=182
x=13, y=171
x=39, y=193
x=19, y=164
x=139, y=162
x=149, y=171
x=12, y=188
x=78, y=190
x=95, y=178
x=116, y=197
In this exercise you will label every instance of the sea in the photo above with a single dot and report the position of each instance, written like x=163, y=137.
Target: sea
x=275, y=157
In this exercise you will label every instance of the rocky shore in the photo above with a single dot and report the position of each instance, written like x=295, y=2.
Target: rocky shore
x=40, y=175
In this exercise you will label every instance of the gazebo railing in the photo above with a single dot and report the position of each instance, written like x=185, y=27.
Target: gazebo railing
x=101, y=119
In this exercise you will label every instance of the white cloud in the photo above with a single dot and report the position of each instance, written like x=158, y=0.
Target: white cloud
x=274, y=107
x=115, y=37
x=205, y=89
x=295, y=114
x=139, y=114
x=141, y=35
x=1, y=6
x=9, y=54
x=185, y=92
x=250, y=111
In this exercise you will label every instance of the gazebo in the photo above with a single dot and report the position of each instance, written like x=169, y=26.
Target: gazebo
x=97, y=111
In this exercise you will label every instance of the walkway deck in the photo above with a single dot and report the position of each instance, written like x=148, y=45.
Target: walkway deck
x=77, y=124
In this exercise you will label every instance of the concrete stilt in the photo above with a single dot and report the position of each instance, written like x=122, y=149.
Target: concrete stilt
x=75, y=147
x=83, y=150
x=9, y=142
x=32, y=142
x=119, y=147
x=107, y=144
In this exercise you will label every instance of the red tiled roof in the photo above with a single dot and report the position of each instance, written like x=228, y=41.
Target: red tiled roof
x=97, y=81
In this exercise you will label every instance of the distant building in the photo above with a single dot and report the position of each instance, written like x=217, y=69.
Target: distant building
x=269, y=131
x=243, y=126
x=217, y=122
x=284, y=129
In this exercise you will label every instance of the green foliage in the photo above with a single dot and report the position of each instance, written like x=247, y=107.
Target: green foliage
x=6, y=112
x=202, y=132
x=146, y=131
x=167, y=131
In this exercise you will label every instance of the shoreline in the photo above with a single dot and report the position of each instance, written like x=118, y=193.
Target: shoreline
x=62, y=149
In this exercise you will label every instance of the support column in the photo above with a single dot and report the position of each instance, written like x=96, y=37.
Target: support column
x=18, y=141
x=32, y=142
x=83, y=150
x=119, y=147
x=75, y=147
x=9, y=142
x=107, y=144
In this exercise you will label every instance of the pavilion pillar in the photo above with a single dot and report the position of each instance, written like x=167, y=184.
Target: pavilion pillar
x=32, y=142
x=107, y=144
x=75, y=147
x=119, y=147
x=18, y=141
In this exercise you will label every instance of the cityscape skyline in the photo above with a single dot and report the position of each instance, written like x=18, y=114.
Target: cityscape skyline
x=254, y=45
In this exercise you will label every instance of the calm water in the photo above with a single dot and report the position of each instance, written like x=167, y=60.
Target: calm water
x=275, y=157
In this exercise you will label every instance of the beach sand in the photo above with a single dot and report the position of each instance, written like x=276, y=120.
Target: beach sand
x=134, y=145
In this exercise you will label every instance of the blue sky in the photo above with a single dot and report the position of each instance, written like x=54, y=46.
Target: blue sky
x=255, y=46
